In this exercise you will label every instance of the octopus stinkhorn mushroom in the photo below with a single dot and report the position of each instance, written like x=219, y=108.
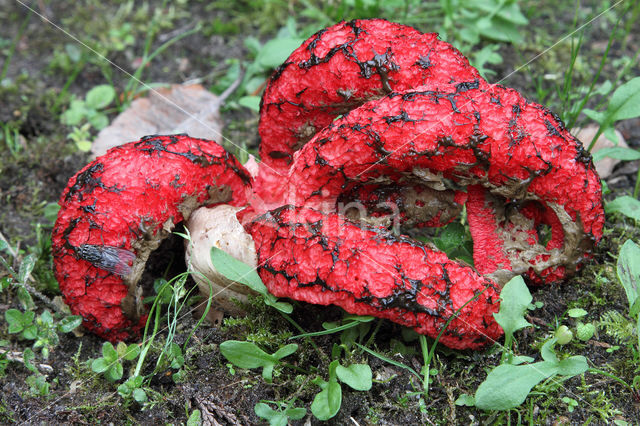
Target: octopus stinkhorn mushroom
x=368, y=126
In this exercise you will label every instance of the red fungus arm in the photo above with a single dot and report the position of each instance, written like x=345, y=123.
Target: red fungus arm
x=324, y=259
x=515, y=150
x=338, y=69
x=117, y=209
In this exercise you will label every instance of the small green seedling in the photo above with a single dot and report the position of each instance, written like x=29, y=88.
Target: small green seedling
x=132, y=387
x=509, y=384
x=111, y=362
x=281, y=415
x=89, y=110
x=21, y=322
x=571, y=403
x=248, y=355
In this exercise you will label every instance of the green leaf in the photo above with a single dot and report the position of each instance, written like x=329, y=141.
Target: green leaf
x=625, y=102
x=26, y=301
x=99, y=365
x=109, y=353
x=515, y=301
x=99, y=121
x=295, y=413
x=507, y=385
x=271, y=300
x=132, y=352
x=577, y=313
x=617, y=152
x=139, y=395
x=263, y=410
x=573, y=366
x=115, y=372
x=195, y=418
x=242, y=273
x=29, y=356
x=286, y=350
x=357, y=376
x=68, y=324
x=248, y=355
x=100, y=96
x=628, y=267
x=274, y=52
x=251, y=102
x=46, y=317
x=30, y=332
x=466, y=400
x=326, y=404
x=26, y=267
x=236, y=270
x=75, y=114
x=626, y=205
x=14, y=319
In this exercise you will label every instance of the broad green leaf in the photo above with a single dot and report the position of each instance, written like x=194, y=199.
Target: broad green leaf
x=139, y=395
x=115, y=372
x=573, y=366
x=236, y=270
x=264, y=411
x=577, y=313
x=271, y=300
x=296, y=413
x=68, y=324
x=75, y=114
x=132, y=352
x=515, y=301
x=100, y=96
x=46, y=317
x=99, y=365
x=466, y=400
x=30, y=333
x=274, y=52
x=596, y=116
x=626, y=205
x=251, y=102
x=285, y=351
x=357, y=376
x=327, y=403
x=109, y=352
x=617, y=152
x=629, y=271
x=245, y=354
x=14, y=319
x=507, y=385
x=248, y=355
x=26, y=267
x=625, y=102
x=242, y=273
x=99, y=121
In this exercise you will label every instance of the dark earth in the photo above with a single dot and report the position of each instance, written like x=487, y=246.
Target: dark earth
x=36, y=88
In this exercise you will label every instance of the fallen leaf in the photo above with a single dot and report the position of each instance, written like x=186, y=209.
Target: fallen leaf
x=187, y=109
x=605, y=166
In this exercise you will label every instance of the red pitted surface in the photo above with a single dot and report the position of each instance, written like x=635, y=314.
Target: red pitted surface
x=324, y=259
x=134, y=193
x=338, y=69
x=491, y=136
